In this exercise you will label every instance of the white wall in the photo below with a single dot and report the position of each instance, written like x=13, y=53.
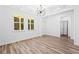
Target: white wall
x=53, y=23
x=7, y=33
x=76, y=25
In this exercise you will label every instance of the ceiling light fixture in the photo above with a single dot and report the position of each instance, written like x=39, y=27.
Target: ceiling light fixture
x=41, y=11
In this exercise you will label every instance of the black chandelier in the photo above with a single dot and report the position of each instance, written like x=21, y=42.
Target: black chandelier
x=41, y=11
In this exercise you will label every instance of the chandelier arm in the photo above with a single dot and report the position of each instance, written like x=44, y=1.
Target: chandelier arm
x=41, y=11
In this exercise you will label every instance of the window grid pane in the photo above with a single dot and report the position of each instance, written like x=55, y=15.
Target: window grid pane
x=16, y=26
x=28, y=26
x=16, y=19
x=22, y=26
x=18, y=23
x=32, y=26
x=32, y=21
x=22, y=20
x=28, y=21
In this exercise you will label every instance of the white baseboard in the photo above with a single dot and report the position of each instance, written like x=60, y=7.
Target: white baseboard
x=9, y=42
x=76, y=43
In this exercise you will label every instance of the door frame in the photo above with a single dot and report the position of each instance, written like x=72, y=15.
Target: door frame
x=61, y=19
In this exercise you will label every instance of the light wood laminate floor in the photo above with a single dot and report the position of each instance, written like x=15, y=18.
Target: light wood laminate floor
x=41, y=45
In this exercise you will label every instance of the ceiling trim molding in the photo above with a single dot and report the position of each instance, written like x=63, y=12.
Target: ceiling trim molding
x=64, y=10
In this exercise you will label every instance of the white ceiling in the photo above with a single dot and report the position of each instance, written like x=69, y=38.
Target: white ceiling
x=33, y=8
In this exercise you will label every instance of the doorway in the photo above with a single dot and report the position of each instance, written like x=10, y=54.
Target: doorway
x=64, y=28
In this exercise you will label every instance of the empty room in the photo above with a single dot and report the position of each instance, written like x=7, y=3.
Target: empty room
x=39, y=29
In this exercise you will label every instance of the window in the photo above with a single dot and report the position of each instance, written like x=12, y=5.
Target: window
x=30, y=24
x=18, y=23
